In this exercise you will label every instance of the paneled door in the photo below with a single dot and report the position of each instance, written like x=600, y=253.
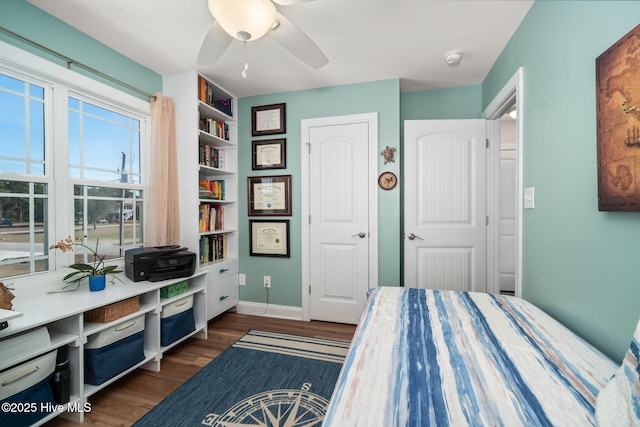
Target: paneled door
x=340, y=233
x=445, y=204
x=507, y=214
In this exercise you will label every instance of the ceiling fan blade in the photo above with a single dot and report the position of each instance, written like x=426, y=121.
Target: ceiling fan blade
x=290, y=2
x=214, y=44
x=297, y=42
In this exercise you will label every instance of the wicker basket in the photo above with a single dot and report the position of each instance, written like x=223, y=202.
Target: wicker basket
x=111, y=312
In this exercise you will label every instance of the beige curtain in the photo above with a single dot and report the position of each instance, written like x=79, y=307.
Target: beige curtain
x=162, y=216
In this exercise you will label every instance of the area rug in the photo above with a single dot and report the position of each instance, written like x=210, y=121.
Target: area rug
x=265, y=379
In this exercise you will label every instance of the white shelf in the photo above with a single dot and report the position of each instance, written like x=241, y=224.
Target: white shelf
x=185, y=88
x=211, y=171
x=58, y=339
x=213, y=232
x=214, y=141
x=63, y=315
x=217, y=202
x=209, y=112
x=6, y=315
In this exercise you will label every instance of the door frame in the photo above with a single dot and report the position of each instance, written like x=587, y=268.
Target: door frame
x=512, y=91
x=305, y=125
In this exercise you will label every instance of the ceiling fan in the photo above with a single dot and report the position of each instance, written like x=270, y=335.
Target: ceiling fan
x=248, y=20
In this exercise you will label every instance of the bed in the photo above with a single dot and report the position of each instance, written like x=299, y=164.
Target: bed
x=436, y=358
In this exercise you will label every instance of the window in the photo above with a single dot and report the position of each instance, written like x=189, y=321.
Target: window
x=22, y=127
x=70, y=164
x=103, y=145
x=24, y=199
x=23, y=227
x=112, y=219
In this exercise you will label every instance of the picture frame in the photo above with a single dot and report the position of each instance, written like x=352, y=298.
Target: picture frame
x=269, y=195
x=269, y=238
x=268, y=119
x=618, y=126
x=269, y=154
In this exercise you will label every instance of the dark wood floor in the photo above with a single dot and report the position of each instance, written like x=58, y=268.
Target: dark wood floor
x=125, y=401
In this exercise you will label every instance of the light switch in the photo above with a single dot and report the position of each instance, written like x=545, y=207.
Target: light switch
x=529, y=198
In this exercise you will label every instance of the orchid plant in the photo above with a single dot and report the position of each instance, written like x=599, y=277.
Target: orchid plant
x=97, y=268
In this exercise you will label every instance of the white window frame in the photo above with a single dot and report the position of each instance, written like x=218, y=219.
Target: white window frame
x=59, y=84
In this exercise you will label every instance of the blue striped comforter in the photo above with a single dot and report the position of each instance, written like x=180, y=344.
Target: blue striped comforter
x=444, y=358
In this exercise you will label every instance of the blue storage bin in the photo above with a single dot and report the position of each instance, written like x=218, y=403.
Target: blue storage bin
x=28, y=385
x=177, y=320
x=114, y=350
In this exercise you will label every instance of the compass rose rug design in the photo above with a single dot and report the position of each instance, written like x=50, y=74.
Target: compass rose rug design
x=264, y=379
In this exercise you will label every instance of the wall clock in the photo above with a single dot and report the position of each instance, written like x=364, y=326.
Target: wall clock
x=387, y=180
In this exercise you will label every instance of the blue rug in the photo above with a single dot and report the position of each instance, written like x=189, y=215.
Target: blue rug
x=264, y=379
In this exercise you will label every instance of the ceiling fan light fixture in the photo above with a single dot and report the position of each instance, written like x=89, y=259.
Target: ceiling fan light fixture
x=244, y=20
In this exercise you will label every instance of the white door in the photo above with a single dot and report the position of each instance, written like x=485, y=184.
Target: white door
x=341, y=248
x=507, y=190
x=445, y=204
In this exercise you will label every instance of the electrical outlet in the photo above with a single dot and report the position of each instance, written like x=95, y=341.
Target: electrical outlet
x=242, y=279
x=267, y=281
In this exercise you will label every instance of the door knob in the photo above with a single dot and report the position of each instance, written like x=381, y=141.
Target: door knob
x=412, y=236
x=361, y=235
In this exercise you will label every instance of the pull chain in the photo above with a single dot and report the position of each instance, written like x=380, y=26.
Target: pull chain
x=246, y=65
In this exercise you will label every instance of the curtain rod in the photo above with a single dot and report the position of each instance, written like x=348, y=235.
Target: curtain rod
x=71, y=61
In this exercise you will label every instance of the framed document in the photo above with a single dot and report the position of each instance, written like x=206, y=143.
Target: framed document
x=268, y=119
x=269, y=154
x=269, y=238
x=269, y=195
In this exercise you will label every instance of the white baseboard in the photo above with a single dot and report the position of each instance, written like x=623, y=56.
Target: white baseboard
x=270, y=310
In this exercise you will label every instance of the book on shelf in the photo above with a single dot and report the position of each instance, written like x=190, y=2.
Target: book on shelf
x=211, y=156
x=213, y=248
x=215, y=128
x=207, y=94
x=211, y=189
x=220, y=159
x=211, y=218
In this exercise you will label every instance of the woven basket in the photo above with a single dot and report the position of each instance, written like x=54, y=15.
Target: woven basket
x=111, y=312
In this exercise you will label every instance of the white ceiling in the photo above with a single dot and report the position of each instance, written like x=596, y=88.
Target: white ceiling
x=365, y=40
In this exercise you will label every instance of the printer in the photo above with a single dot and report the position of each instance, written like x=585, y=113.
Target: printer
x=159, y=263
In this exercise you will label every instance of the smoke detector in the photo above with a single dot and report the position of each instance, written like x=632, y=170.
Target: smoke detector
x=453, y=57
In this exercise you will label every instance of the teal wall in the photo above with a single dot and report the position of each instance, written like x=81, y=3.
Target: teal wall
x=579, y=264
x=382, y=97
x=464, y=102
x=32, y=23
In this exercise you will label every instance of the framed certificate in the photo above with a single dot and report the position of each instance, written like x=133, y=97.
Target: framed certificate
x=269, y=238
x=269, y=154
x=269, y=195
x=268, y=119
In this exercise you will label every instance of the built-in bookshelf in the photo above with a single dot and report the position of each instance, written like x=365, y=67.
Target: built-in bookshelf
x=209, y=181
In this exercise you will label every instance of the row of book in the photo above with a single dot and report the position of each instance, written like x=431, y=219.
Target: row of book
x=215, y=128
x=206, y=94
x=211, y=156
x=213, y=248
x=211, y=218
x=212, y=189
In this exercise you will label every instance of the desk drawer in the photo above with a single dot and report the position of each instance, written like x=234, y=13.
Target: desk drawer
x=222, y=295
x=223, y=269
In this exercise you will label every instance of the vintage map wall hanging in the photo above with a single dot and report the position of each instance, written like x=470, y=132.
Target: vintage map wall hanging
x=618, y=123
